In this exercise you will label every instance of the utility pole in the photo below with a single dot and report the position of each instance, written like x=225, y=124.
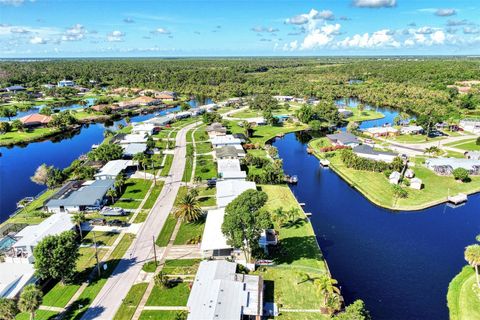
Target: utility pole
x=96, y=253
x=154, y=251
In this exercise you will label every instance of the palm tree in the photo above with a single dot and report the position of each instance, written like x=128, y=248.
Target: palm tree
x=247, y=127
x=112, y=193
x=280, y=216
x=30, y=300
x=139, y=158
x=188, y=208
x=161, y=280
x=8, y=309
x=326, y=286
x=472, y=255
x=78, y=218
x=119, y=182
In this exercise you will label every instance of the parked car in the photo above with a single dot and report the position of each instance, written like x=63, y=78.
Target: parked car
x=98, y=222
x=109, y=211
x=116, y=223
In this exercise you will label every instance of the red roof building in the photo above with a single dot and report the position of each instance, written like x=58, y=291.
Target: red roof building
x=35, y=119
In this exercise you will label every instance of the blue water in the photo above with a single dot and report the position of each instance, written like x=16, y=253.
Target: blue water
x=400, y=264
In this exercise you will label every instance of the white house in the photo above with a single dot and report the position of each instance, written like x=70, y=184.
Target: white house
x=471, y=125
x=65, y=83
x=131, y=149
x=143, y=128
x=416, y=183
x=161, y=121
x=227, y=190
x=344, y=139
x=214, y=243
x=112, y=169
x=445, y=166
x=133, y=138
x=394, y=177
x=411, y=130
x=13, y=277
x=227, y=140
x=381, y=131
x=283, y=98
x=228, y=166
x=182, y=115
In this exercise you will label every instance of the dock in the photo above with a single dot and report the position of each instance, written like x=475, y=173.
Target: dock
x=458, y=199
x=324, y=162
x=308, y=214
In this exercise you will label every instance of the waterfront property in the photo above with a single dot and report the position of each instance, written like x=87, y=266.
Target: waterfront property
x=376, y=132
x=445, y=166
x=394, y=177
x=366, y=151
x=216, y=129
x=230, y=169
x=112, y=169
x=35, y=120
x=219, y=292
x=131, y=149
x=143, y=128
x=230, y=152
x=228, y=190
x=344, y=139
x=471, y=125
x=214, y=243
x=13, y=277
x=411, y=130
x=78, y=196
x=145, y=101
x=416, y=183
x=227, y=140
x=161, y=121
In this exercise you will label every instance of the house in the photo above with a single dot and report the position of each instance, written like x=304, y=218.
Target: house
x=100, y=107
x=15, y=89
x=144, y=101
x=14, y=277
x=131, y=149
x=112, y=169
x=218, y=292
x=161, y=121
x=227, y=190
x=409, y=174
x=344, y=139
x=416, y=183
x=227, y=140
x=283, y=98
x=394, y=177
x=214, y=243
x=182, y=115
x=381, y=132
x=143, y=128
x=230, y=169
x=471, y=125
x=216, y=129
x=90, y=195
x=167, y=95
x=259, y=121
x=281, y=118
x=65, y=83
x=209, y=107
x=240, y=136
x=133, y=138
x=474, y=155
x=366, y=151
x=445, y=166
x=230, y=152
x=411, y=130
x=35, y=120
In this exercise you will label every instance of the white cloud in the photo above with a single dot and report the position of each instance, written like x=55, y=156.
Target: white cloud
x=115, y=36
x=15, y=3
x=319, y=37
x=161, y=31
x=261, y=29
x=381, y=38
x=19, y=30
x=374, y=3
x=299, y=19
x=76, y=33
x=37, y=40
x=471, y=30
x=454, y=23
x=438, y=37
x=312, y=15
x=325, y=15
x=446, y=12
x=424, y=30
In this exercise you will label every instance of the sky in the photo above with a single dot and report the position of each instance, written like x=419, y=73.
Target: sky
x=164, y=28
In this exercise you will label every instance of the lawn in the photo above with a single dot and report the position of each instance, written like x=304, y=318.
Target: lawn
x=187, y=173
x=159, y=315
x=181, y=266
x=249, y=113
x=190, y=232
x=33, y=213
x=464, y=296
x=152, y=198
x=167, y=165
x=167, y=230
x=190, y=135
x=15, y=137
x=39, y=315
x=467, y=144
x=176, y=296
x=257, y=153
x=414, y=138
x=364, y=115
x=262, y=134
x=102, y=238
x=206, y=196
x=375, y=186
x=131, y=301
x=200, y=134
x=136, y=189
x=205, y=168
x=203, y=147
x=130, y=204
x=149, y=266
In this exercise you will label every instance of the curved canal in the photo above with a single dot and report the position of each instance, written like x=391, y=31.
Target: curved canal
x=400, y=264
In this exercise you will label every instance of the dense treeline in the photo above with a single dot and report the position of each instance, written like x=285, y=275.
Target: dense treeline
x=415, y=86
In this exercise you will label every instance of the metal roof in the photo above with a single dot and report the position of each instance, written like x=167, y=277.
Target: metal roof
x=228, y=165
x=213, y=238
x=455, y=163
x=227, y=190
x=88, y=195
x=134, y=148
x=343, y=137
x=365, y=149
x=114, y=167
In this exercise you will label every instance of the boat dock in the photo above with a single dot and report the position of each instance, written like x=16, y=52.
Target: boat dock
x=324, y=162
x=458, y=199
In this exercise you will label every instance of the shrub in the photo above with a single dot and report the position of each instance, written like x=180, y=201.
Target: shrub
x=399, y=192
x=461, y=174
x=387, y=173
x=478, y=141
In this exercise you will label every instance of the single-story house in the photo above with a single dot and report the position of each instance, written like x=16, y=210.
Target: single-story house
x=366, y=151
x=411, y=130
x=28, y=238
x=209, y=107
x=471, y=125
x=218, y=292
x=226, y=140
x=112, y=169
x=65, y=83
x=394, y=177
x=131, y=149
x=227, y=190
x=409, y=174
x=416, y=183
x=381, y=132
x=143, y=128
x=283, y=98
x=133, y=138
x=445, y=166
x=230, y=152
x=230, y=169
x=214, y=243
x=182, y=115
x=281, y=118
x=144, y=101
x=344, y=139
x=167, y=95
x=216, y=129
x=13, y=277
x=161, y=121
x=100, y=107
x=259, y=121
x=35, y=120
x=474, y=155
x=89, y=196
x=15, y=88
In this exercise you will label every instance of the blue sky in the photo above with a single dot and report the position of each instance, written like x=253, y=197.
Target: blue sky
x=108, y=28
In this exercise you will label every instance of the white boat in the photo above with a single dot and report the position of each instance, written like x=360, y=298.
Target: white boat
x=324, y=162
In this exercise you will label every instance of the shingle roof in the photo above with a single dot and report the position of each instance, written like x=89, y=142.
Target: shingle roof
x=365, y=149
x=343, y=137
x=36, y=118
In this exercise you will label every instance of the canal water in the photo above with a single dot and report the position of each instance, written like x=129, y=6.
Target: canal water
x=400, y=264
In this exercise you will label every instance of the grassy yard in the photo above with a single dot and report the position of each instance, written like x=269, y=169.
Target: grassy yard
x=149, y=266
x=189, y=231
x=176, y=296
x=153, y=195
x=131, y=204
x=181, y=266
x=167, y=165
x=203, y=147
x=257, y=153
x=39, y=315
x=159, y=315
x=464, y=296
x=167, y=231
x=102, y=238
x=131, y=301
x=364, y=115
x=300, y=256
x=136, y=189
x=467, y=144
x=205, y=168
x=187, y=173
x=264, y=133
x=15, y=137
x=206, y=196
x=200, y=134
x=414, y=138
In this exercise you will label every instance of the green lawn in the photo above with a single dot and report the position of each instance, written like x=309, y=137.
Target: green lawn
x=262, y=134
x=159, y=315
x=257, y=153
x=152, y=198
x=102, y=238
x=203, y=147
x=167, y=231
x=414, y=138
x=467, y=144
x=181, y=266
x=189, y=136
x=464, y=296
x=176, y=296
x=205, y=168
x=249, y=113
x=189, y=232
x=364, y=115
x=168, y=164
x=15, y=137
x=200, y=134
x=187, y=174
x=136, y=189
x=39, y=315
x=127, y=204
x=149, y=266
x=131, y=301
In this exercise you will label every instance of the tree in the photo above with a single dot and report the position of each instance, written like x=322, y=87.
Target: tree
x=461, y=174
x=352, y=126
x=47, y=111
x=472, y=256
x=55, y=177
x=399, y=192
x=30, y=300
x=432, y=150
x=120, y=182
x=56, y=257
x=354, y=311
x=477, y=142
x=8, y=309
x=8, y=112
x=106, y=152
x=247, y=129
x=244, y=221
x=112, y=193
x=326, y=286
x=150, y=142
x=263, y=102
x=41, y=175
x=315, y=125
x=62, y=120
x=188, y=208
x=161, y=280
x=78, y=218
x=17, y=125
x=5, y=127
x=305, y=113
x=361, y=107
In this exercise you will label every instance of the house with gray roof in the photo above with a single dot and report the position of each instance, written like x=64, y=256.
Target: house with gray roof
x=366, y=151
x=90, y=195
x=445, y=166
x=218, y=292
x=230, y=152
x=344, y=139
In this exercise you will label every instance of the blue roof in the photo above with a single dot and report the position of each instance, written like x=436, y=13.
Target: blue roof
x=88, y=195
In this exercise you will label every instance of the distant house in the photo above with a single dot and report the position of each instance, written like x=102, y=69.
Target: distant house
x=409, y=174
x=445, y=166
x=100, y=107
x=15, y=89
x=366, y=151
x=90, y=195
x=167, y=95
x=230, y=152
x=394, y=177
x=161, y=121
x=416, y=183
x=471, y=125
x=381, y=132
x=145, y=101
x=283, y=98
x=35, y=120
x=216, y=129
x=218, y=292
x=214, y=243
x=112, y=169
x=143, y=128
x=131, y=149
x=474, y=155
x=344, y=139
x=132, y=138
x=221, y=141
x=65, y=83
x=411, y=130
x=281, y=118
x=182, y=115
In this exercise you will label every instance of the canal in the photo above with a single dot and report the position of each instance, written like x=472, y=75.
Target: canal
x=399, y=263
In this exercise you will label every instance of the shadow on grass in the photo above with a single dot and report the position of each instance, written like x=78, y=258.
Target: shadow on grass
x=297, y=223
x=295, y=248
x=269, y=291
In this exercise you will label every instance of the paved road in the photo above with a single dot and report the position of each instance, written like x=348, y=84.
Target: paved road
x=117, y=286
